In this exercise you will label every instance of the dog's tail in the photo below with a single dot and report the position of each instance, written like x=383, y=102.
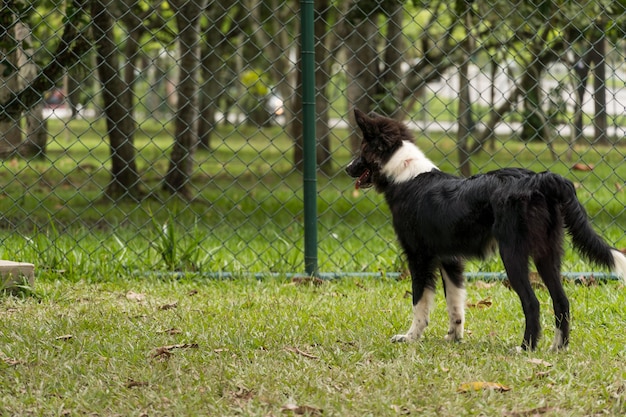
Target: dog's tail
x=584, y=238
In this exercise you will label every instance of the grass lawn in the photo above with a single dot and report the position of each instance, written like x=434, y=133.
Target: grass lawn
x=274, y=347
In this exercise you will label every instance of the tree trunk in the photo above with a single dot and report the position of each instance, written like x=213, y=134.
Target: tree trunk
x=11, y=135
x=36, y=132
x=188, y=14
x=117, y=106
x=212, y=63
x=391, y=77
x=464, y=116
x=361, y=71
x=598, y=51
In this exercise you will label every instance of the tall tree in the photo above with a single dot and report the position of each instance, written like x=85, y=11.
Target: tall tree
x=117, y=100
x=9, y=80
x=188, y=14
x=361, y=67
x=16, y=99
x=36, y=132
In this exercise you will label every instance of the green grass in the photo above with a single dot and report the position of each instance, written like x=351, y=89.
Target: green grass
x=254, y=348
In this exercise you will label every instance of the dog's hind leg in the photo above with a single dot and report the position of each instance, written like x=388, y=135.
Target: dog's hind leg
x=452, y=276
x=549, y=270
x=423, y=287
x=515, y=261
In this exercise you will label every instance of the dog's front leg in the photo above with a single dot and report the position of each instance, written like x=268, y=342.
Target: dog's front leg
x=421, y=313
x=455, y=299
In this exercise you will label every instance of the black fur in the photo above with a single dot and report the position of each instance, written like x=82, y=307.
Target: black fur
x=440, y=219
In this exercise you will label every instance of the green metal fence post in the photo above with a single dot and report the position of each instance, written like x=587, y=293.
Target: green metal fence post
x=309, y=141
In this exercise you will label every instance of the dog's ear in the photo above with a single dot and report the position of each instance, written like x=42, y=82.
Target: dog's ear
x=365, y=123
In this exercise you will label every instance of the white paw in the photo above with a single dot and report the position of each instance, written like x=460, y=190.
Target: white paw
x=453, y=337
x=402, y=338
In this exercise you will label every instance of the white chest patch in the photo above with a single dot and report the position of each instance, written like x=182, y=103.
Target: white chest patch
x=407, y=163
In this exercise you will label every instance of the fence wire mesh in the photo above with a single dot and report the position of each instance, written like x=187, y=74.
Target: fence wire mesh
x=167, y=136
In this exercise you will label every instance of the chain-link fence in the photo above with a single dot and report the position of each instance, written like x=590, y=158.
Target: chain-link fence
x=167, y=136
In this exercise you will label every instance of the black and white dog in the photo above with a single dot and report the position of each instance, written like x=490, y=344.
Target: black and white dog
x=441, y=219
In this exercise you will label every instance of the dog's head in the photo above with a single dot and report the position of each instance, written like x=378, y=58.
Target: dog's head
x=382, y=137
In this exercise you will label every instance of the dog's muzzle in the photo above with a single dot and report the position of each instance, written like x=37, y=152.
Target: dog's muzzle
x=359, y=170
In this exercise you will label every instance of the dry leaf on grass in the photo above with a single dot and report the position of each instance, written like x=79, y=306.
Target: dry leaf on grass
x=301, y=409
x=482, y=285
x=535, y=361
x=484, y=303
x=9, y=361
x=300, y=352
x=531, y=413
x=131, y=383
x=243, y=393
x=64, y=337
x=169, y=306
x=538, y=375
x=166, y=351
x=172, y=331
x=482, y=386
x=402, y=410
x=135, y=296
x=307, y=281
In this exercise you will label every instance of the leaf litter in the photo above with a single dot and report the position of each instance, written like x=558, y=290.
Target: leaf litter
x=165, y=352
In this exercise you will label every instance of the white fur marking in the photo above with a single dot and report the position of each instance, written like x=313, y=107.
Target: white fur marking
x=407, y=163
x=455, y=299
x=619, y=266
x=559, y=340
x=421, y=312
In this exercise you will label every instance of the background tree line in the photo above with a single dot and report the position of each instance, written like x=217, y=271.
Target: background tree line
x=217, y=62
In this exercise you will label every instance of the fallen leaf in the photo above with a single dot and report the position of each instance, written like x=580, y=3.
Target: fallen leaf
x=484, y=303
x=531, y=413
x=166, y=351
x=169, y=306
x=134, y=296
x=243, y=393
x=536, y=361
x=539, y=375
x=300, y=352
x=619, y=187
x=482, y=386
x=132, y=384
x=307, y=281
x=64, y=337
x=301, y=409
x=581, y=166
x=482, y=285
x=10, y=361
x=401, y=409
x=172, y=331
